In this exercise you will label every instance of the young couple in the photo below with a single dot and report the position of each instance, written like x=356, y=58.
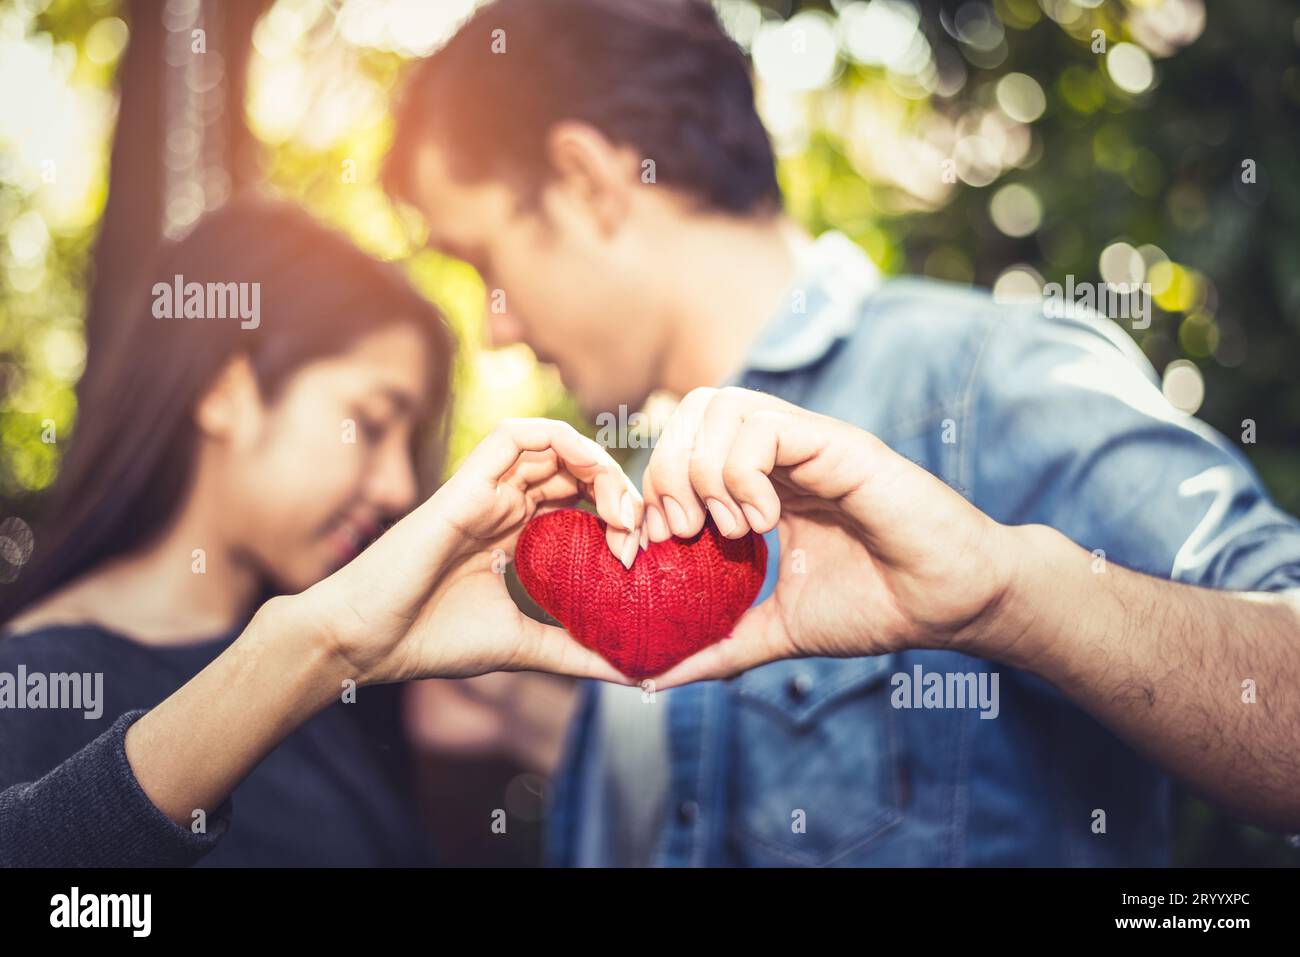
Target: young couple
x=969, y=488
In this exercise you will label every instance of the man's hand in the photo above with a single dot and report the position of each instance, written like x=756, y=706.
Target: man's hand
x=877, y=554
x=896, y=559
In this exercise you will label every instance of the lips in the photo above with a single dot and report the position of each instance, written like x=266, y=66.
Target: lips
x=351, y=536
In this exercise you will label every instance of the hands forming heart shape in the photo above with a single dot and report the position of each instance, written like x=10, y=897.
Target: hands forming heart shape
x=882, y=555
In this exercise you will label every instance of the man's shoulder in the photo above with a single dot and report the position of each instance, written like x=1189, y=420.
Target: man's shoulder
x=908, y=355
x=923, y=327
x=937, y=309
x=923, y=356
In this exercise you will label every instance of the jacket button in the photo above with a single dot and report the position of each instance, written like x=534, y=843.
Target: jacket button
x=799, y=686
x=688, y=811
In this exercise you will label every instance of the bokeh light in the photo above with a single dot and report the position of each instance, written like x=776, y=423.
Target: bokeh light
x=1184, y=386
x=1130, y=68
x=1016, y=210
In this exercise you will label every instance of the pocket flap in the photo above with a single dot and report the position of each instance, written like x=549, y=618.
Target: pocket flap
x=799, y=689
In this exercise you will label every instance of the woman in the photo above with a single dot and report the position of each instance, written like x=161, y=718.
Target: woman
x=203, y=552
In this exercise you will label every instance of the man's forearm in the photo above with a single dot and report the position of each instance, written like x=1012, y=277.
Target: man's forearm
x=1204, y=682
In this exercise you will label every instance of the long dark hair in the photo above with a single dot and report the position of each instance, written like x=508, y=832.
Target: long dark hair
x=132, y=452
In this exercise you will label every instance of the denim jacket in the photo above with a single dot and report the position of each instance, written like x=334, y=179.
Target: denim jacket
x=1055, y=419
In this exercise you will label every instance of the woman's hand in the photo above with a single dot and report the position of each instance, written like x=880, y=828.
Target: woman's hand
x=876, y=553
x=428, y=598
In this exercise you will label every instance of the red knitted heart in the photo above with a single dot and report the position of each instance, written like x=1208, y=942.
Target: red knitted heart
x=679, y=596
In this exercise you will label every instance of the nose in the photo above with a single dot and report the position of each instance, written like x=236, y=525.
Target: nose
x=503, y=330
x=393, y=484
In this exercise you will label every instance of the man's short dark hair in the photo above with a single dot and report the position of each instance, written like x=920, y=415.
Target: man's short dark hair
x=660, y=76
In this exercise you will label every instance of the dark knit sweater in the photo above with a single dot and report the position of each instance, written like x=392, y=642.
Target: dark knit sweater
x=333, y=793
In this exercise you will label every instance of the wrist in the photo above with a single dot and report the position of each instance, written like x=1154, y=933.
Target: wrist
x=442, y=515
x=359, y=616
x=285, y=631
x=1018, y=624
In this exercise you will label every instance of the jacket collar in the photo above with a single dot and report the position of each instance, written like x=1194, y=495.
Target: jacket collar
x=821, y=306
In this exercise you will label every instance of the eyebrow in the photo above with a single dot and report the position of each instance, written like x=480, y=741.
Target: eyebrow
x=401, y=400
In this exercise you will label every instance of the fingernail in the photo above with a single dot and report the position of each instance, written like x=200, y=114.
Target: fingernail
x=656, y=525
x=629, y=552
x=721, y=516
x=645, y=537
x=626, y=514
x=752, y=515
x=676, y=516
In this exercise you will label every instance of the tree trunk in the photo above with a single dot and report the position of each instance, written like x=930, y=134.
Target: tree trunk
x=136, y=211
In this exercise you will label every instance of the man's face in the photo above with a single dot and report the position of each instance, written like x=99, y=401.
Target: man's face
x=556, y=278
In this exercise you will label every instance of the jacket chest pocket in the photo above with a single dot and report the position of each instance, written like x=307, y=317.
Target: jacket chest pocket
x=815, y=774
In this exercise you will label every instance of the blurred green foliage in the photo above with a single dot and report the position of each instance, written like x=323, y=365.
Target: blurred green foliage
x=907, y=145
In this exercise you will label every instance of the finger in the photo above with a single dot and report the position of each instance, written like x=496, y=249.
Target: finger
x=560, y=488
x=666, y=484
x=753, y=455
x=655, y=527
x=748, y=646
x=551, y=649
x=717, y=433
x=616, y=498
x=619, y=503
x=623, y=544
x=822, y=456
x=532, y=468
x=497, y=454
x=607, y=488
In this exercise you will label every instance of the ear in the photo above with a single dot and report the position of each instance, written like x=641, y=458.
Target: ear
x=592, y=172
x=231, y=407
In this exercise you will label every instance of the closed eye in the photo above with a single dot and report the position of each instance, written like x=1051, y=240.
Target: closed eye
x=372, y=429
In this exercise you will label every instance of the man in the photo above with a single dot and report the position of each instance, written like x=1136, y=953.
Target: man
x=979, y=686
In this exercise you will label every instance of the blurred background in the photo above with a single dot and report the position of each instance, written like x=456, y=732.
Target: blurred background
x=1007, y=143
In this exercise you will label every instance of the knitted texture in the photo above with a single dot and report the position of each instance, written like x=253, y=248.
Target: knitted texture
x=90, y=811
x=679, y=596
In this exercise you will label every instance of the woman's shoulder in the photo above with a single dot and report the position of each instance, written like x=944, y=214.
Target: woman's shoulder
x=58, y=660
x=60, y=636
x=56, y=640
x=87, y=616
x=65, y=611
x=57, y=692
x=63, y=682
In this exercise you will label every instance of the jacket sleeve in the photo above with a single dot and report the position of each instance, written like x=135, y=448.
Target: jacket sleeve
x=90, y=811
x=1071, y=430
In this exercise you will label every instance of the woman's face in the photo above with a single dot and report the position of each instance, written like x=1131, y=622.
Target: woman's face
x=307, y=479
